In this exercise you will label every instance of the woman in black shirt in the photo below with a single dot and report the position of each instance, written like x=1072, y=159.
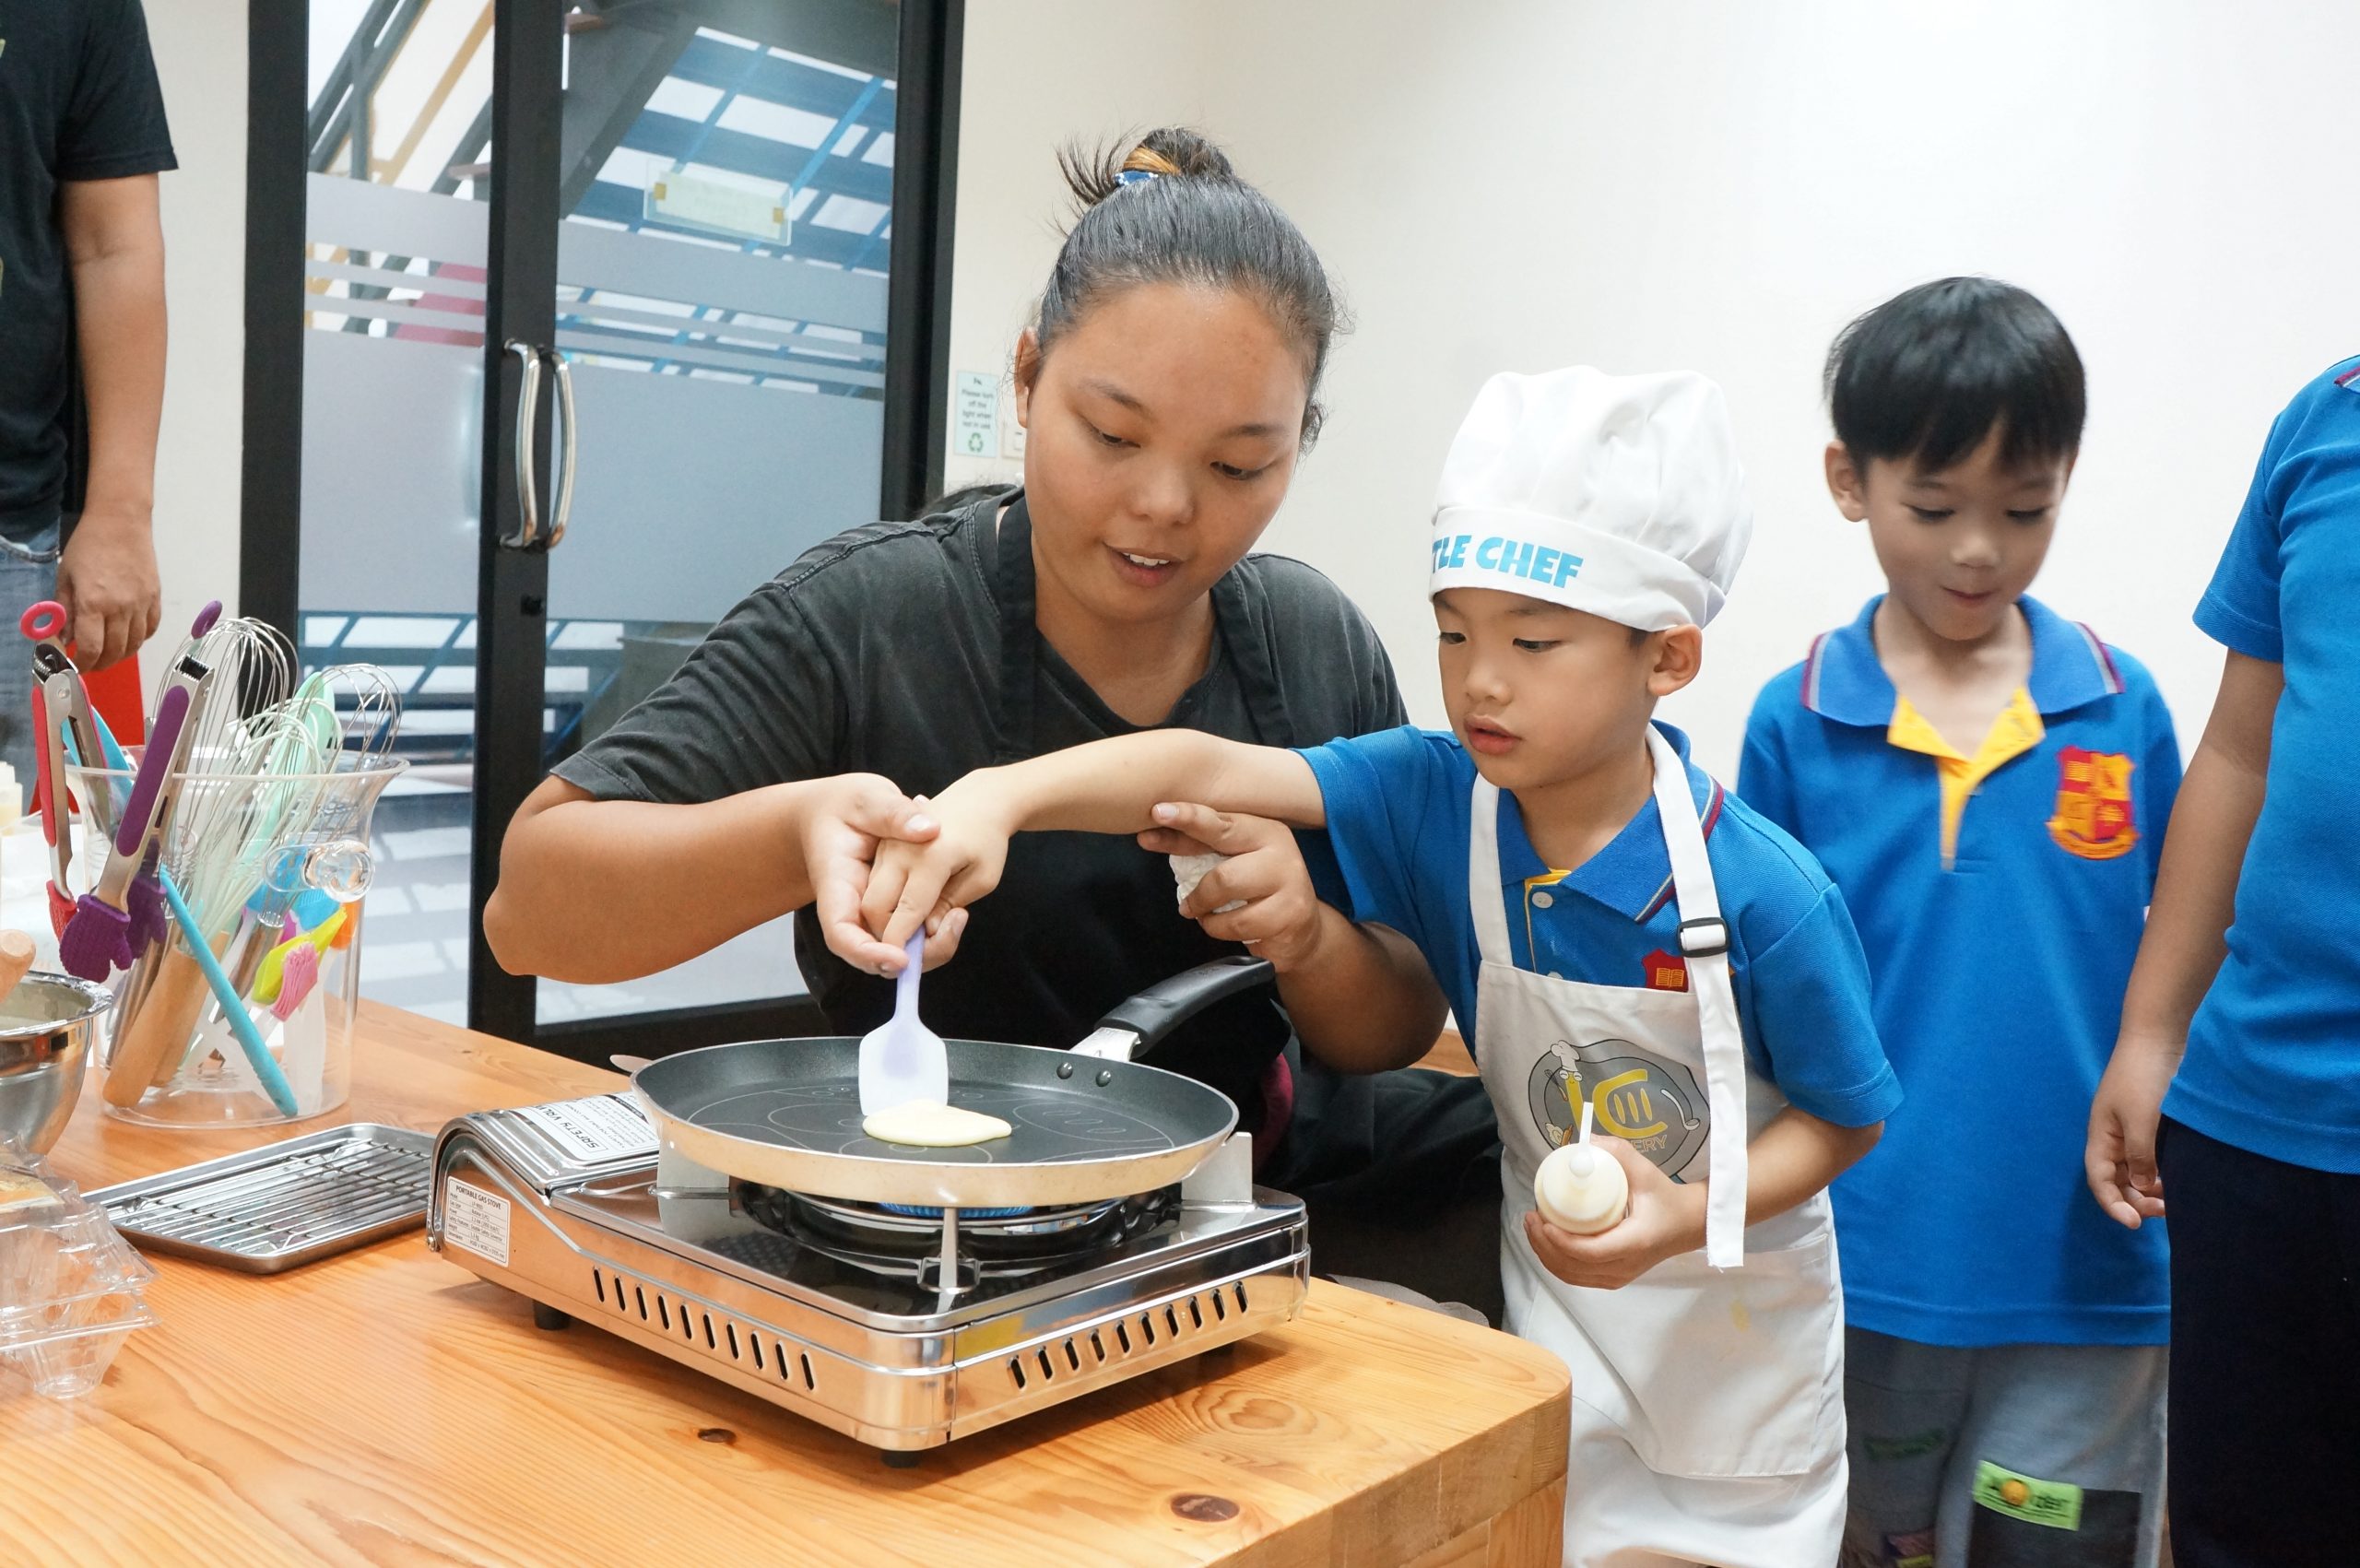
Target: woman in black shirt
x=1168, y=389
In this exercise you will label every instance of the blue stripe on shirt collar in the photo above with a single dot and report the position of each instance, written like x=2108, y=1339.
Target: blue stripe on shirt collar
x=1843, y=681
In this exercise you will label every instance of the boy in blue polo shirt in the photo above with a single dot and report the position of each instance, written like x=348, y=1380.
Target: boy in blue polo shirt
x=1989, y=785
x=2255, y=1025
x=1610, y=927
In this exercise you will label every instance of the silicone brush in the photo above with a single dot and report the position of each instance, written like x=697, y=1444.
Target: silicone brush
x=297, y=977
x=97, y=940
x=279, y=965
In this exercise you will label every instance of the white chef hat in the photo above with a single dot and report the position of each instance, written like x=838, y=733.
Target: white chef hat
x=1618, y=495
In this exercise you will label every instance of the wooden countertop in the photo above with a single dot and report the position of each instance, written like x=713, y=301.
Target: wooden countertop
x=386, y=1408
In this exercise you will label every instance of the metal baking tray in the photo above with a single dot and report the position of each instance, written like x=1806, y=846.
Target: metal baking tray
x=284, y=1204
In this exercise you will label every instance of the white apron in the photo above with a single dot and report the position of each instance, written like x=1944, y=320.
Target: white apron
x=1707, y=1413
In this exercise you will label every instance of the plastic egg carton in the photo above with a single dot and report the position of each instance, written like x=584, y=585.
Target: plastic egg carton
x=71, y=1289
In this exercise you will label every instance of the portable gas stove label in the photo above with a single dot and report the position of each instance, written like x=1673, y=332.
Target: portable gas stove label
x=603, y=1127
x=476, y=1220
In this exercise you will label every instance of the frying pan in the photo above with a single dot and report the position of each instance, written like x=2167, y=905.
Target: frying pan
x=1090, y=1123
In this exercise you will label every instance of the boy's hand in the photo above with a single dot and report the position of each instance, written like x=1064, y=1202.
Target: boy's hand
x=1665, y=1220
x=912, y=883
x=1281, y=920
x=2120, y=1159
x=842, y=823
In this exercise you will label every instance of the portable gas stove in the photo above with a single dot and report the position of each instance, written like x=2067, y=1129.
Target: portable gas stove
x=903, y=1328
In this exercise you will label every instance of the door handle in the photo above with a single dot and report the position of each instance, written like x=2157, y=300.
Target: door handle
x=528, y=407
x=561, y=504
x=530, y=532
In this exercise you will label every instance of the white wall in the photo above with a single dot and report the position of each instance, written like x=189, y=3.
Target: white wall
x=201, y=55
x=1720, y=186
x=1037, y=75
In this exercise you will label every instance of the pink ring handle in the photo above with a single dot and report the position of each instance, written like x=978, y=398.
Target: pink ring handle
x=44, y=620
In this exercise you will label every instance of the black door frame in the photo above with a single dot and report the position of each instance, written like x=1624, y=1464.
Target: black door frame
x=513, y=584
x=520, y=306
x=271, y=465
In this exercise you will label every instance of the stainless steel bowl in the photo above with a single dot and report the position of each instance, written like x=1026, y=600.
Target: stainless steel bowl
x=46, y=1026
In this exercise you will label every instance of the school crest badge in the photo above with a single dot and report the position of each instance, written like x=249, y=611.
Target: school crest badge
x=1665, y=971
x=2094, y=818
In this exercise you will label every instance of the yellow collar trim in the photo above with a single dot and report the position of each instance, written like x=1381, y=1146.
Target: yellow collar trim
x=2015, y=731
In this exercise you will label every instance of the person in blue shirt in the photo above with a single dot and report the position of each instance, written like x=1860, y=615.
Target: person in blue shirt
x=1989, y=784
x=2246, y=1002
x=1611, y=929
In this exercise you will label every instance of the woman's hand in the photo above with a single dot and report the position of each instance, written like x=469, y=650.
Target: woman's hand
x=2120, y=1159
x=1665, y=1220
x=843, y=823
x=1282, y=920
x=935, y=878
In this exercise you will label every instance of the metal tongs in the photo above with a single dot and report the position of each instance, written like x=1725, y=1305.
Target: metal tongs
x=58, y=694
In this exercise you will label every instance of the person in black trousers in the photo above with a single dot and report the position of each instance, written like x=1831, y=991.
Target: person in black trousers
x=2235, y=1078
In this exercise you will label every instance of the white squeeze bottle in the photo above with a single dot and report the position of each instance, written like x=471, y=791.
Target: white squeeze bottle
x=1580, y=1188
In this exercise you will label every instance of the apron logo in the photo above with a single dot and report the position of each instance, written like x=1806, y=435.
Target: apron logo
x=1625, y=1109
x=1665, y=971
x=2094, y=818
x=1653, y=1105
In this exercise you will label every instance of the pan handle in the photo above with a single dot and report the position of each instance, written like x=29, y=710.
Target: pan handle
x=1136, y=1025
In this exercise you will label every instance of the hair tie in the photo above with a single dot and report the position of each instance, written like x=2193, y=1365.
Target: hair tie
x=1133, y=176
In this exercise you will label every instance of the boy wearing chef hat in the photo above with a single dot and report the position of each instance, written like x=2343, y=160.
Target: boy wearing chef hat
x=1610, y=926
x=1989, y=784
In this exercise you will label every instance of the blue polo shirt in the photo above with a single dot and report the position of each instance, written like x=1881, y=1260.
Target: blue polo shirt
x=2000, y=898
x=1397, y=805
x=2273, y=1054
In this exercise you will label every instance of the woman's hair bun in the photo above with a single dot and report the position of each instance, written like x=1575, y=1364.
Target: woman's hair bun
x=1186, y=219
x=1093, y=175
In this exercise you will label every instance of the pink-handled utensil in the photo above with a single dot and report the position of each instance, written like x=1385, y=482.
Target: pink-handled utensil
x=56, y=689
x=56, y=826
x=68, y=699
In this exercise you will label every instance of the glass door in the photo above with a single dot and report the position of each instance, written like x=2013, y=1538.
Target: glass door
x=575, y=382
x=397, y=193
x=723, y=263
